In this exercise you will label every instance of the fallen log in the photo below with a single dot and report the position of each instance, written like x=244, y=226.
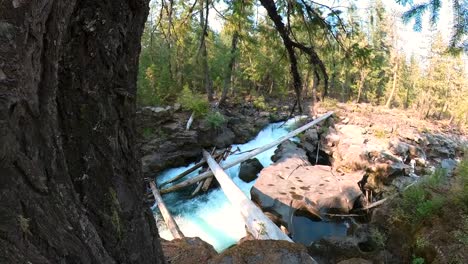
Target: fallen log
x=249, y=155
x=170, y=222
x=206, y=182
x=187, y=172
x=209, y=180
x=257, y=223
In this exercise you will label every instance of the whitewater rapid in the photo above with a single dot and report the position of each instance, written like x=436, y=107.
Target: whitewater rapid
x=210, y=216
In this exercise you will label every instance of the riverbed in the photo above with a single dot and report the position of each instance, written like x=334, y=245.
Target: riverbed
x=211, y=217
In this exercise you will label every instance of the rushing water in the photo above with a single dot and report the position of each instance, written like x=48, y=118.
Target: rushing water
x=210, y=216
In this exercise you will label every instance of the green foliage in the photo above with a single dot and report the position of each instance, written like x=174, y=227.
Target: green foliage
x=215, y=119
x=419, y=202
x=378, y=238
x=360, y=66
x=193, y=102
x=421, y=243
x=460, y=26
x=329, y=103
x=417, y=260
x=260, y=103
x=462, y=234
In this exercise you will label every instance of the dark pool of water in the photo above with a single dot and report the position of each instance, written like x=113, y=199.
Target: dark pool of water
x=306, y=231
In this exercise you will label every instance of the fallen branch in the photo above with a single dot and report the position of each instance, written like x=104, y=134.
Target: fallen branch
x=342, y=215
x=190, y=121
x=379, y=202
x=170, y=222
x=187, y=172
x=250, y=155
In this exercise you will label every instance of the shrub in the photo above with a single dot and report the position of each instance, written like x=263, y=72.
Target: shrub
x=215, y=119
x=462, y=234
x=417, y=260
x=419, y=202
x=378, y=238
x=460, y=188
x=329, y=103
x=193, y=102
x=260, y=103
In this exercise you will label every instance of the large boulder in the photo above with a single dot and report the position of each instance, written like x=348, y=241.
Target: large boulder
x=350, y=152
x=288, y=149
x=293, y=184
x=249, y=169
x=161, y=153
x=310, y=140
x=264, y=252
x=187, y=250
x=407, y=151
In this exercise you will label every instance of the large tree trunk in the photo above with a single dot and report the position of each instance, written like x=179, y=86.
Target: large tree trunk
x=71, y=186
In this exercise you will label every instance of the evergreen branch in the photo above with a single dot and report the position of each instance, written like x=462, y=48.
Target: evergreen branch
x=415, y=12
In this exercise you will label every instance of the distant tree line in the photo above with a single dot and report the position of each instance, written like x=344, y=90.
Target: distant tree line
x=309, y=48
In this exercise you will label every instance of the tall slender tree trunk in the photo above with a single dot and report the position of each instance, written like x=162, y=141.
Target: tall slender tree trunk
x=204, y=13
x=228, y=78
x=395, y=76
x=71, y=186
x=362, y=78
x=407, y=94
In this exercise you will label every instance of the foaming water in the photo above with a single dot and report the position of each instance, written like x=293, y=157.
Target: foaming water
x=211, y=216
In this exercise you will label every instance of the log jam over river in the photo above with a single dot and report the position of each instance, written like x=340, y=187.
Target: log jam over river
x=211, y=217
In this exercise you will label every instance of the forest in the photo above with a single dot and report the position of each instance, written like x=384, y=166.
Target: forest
x=344, y=53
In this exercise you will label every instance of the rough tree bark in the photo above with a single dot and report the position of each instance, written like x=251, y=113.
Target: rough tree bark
x=71, y=189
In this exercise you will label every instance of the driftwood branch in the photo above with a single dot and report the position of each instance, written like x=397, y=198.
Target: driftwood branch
x=170, y=222
x=379, y=202
x=250, y=155
x=190, y=121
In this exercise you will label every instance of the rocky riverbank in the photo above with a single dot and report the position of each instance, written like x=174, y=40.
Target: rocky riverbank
x=355, y=159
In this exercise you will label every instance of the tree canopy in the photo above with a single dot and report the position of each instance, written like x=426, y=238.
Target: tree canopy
x=268, y=48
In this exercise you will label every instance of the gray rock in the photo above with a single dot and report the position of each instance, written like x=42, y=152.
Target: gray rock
x=293, y=183
x=249, y=169
x=309, y=141
x=288, y=149
x=449, y=165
